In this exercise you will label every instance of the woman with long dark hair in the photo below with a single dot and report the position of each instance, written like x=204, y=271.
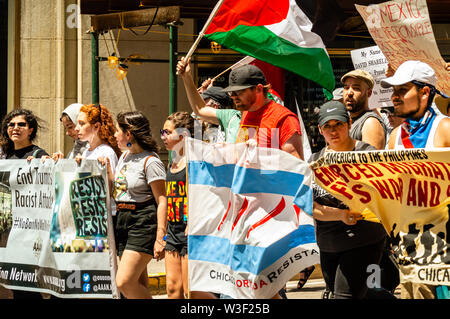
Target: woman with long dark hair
x=18, y=131
x=139, y=192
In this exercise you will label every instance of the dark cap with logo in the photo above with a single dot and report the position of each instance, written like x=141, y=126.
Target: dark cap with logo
x=333, y=110
x=244, y=77
x=217, y=94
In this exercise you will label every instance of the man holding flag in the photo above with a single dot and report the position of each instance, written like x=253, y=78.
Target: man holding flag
x=232, y=203
x=270, y=123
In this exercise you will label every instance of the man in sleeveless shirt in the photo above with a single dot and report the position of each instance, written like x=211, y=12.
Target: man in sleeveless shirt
x=367, y=125
x=269, y=123
x=414, y=89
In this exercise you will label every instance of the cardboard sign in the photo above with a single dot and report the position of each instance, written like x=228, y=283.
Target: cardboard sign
x=372, y=60
x=402, y=30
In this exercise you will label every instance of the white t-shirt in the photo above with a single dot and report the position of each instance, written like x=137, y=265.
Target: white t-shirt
x=104, y=150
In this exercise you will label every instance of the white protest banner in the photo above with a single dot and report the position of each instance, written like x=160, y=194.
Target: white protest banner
x=56, y=229
x=402, y=30
x=372, y=60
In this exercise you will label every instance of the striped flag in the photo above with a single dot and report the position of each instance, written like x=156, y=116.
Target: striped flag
x=250, y=225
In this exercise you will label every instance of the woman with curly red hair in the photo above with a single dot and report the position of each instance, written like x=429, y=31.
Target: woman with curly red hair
x=96, y=126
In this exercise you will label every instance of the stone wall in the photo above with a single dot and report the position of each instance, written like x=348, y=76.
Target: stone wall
x=55, y=68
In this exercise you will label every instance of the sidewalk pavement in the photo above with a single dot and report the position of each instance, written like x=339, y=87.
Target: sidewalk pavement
x=312, y=290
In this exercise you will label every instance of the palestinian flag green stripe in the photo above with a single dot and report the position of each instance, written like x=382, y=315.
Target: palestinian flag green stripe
x=261, y=43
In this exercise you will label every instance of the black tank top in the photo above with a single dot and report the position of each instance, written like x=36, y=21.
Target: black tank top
x=176, y=192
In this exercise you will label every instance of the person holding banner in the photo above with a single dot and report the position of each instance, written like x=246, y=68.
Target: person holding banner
x=414, y=84
x=19, y=129
x=95, y=125
x=367, y=125
x=69, y=120
x=139, y=193
x=348, y=244
x=176, y=127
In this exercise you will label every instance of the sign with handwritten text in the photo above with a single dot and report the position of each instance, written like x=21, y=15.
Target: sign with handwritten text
x=403, y=31
x=372, y=60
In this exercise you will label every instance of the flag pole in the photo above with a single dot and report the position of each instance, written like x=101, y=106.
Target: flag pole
x=202, y=33
x=242, y=61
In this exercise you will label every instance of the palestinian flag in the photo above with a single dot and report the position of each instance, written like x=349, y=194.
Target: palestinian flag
x=274, y=31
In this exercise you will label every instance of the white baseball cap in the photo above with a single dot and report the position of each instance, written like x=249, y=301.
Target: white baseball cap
x=411, y=71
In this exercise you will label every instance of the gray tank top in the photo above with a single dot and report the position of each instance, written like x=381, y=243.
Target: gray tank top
x=356, y=129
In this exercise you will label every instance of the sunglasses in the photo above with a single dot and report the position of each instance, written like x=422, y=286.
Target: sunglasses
x=238, y=92
x=19, y=124
x=164, y=132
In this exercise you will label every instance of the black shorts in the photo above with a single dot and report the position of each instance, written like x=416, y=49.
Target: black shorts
x=136, y=230
x=176, y=239
x=182, y=249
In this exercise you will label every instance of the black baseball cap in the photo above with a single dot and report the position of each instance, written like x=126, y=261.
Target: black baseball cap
x=333, y=110
x=244, y=77
x=217, y=94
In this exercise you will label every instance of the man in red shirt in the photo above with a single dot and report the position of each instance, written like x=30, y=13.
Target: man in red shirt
x=271, y=124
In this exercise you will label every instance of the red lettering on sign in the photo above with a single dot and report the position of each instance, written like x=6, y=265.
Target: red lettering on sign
x=341, y=188
x=365, y=195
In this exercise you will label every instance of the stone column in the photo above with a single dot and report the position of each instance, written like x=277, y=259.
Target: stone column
x=48, y=59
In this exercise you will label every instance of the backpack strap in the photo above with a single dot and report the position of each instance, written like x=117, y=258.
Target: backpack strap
x=145, y=164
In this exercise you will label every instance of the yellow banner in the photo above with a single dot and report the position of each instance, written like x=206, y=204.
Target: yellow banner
x=408, y=191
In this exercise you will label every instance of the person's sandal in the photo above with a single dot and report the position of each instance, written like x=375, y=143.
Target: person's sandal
x=306, y=273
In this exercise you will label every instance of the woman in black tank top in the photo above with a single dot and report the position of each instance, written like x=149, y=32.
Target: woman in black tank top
x=177, y=126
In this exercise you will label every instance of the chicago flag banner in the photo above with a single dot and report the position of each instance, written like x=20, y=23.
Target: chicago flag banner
x=250, y=225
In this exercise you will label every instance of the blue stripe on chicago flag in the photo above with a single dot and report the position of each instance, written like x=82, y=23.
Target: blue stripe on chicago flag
x=246, y=258
x=243, y=180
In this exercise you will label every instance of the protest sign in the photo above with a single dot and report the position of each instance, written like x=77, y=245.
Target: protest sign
x=56, y=230
x=372, y=60
x=250, y=219
x=409, y=192
x=403, y=31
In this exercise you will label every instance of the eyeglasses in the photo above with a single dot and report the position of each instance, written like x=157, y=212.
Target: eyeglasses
x=19, y=124
x=164, y=132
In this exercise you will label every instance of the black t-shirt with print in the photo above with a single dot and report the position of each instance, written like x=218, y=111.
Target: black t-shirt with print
x=176, y=192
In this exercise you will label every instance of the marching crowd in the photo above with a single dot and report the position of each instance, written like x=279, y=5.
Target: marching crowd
x=150, y=200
